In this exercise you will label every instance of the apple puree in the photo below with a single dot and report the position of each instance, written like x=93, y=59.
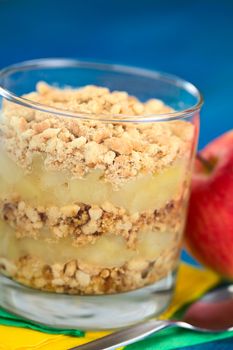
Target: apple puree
x=104, y=253
x=60, y=266
x=88, y=207
x=43, y=187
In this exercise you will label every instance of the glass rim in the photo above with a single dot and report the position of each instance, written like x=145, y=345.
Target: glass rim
x=53, y=63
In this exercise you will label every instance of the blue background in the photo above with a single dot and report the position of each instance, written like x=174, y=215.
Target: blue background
x=192, y=39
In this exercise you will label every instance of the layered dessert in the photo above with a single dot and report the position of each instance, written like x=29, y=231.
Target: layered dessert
x=88, y=206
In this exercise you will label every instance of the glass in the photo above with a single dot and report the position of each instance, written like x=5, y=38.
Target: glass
x=92, y=204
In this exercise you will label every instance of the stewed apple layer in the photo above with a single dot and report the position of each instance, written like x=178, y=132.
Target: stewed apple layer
x=44, y=187
x=108, y=250
x=106, y=266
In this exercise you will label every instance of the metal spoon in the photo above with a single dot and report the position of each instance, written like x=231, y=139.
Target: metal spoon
x=212, y=313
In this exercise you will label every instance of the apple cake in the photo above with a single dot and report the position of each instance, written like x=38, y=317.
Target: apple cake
x=88, y=206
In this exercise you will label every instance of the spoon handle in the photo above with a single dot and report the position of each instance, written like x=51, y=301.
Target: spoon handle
x=124, y=336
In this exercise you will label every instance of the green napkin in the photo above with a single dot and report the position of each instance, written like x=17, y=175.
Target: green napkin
x=8, y=319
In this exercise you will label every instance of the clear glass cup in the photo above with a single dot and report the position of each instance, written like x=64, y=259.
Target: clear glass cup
x=92, y=205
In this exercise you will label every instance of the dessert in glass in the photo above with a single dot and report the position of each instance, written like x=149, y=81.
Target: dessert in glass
x=95, y=168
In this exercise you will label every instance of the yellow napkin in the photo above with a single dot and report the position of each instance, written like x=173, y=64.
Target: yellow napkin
x=191, y=283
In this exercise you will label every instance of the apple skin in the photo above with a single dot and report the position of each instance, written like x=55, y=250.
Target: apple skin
x=209, y=228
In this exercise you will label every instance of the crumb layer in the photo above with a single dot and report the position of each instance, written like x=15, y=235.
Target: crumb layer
x=123, y=151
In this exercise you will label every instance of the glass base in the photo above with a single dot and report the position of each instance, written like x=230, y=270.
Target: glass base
x=86, y=312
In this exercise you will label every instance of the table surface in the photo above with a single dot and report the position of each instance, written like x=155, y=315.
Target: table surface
x=192, y=39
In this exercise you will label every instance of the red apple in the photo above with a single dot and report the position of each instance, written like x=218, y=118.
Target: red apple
x=209, y=229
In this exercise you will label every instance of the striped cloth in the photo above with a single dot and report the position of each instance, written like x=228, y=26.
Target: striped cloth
x=192, y=282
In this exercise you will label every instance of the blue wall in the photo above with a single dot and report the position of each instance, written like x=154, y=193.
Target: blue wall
x=193, y=39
